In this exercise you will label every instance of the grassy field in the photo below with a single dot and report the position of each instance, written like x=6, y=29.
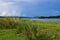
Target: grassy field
x=10, y=34
x=20, y=29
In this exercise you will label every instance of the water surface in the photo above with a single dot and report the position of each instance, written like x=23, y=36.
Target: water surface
x=50, y=20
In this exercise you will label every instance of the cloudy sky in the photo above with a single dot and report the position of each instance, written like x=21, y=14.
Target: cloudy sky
x=29, y=7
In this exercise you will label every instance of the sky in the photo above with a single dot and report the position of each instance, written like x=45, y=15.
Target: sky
x=29, y=7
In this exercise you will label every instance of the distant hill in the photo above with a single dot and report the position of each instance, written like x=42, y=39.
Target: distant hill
x=49, y=17
x=14, y=17
x=30, y=17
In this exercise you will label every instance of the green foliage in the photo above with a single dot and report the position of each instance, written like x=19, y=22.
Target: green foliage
x=29, y=29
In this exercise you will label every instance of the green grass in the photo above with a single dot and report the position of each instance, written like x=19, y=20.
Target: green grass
x=37, y=30
x=20, y=29
x=10, y=34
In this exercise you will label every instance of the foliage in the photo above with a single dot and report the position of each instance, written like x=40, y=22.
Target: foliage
x=31, y=30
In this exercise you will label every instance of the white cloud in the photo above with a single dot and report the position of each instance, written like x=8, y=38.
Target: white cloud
x=3, y=4
x=3, y=13
x=8, y=9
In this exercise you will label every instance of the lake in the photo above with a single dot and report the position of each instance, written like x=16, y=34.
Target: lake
x=50, y=20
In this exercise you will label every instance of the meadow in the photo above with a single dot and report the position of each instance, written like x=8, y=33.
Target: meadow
x=21, y=29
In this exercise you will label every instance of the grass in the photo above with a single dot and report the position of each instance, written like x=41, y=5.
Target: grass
x=10, y=34
x=37, y=30
x=20, y=29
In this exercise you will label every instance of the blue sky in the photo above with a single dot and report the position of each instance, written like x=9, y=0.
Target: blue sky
x=29, y=7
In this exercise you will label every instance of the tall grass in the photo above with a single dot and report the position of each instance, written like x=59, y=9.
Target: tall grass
x=8, y=23
x=33, y=30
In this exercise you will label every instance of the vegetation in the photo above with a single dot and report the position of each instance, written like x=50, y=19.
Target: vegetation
x=21, y=29
x=49, y=17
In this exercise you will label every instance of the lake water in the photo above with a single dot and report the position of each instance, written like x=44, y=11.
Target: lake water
x=50, y=20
